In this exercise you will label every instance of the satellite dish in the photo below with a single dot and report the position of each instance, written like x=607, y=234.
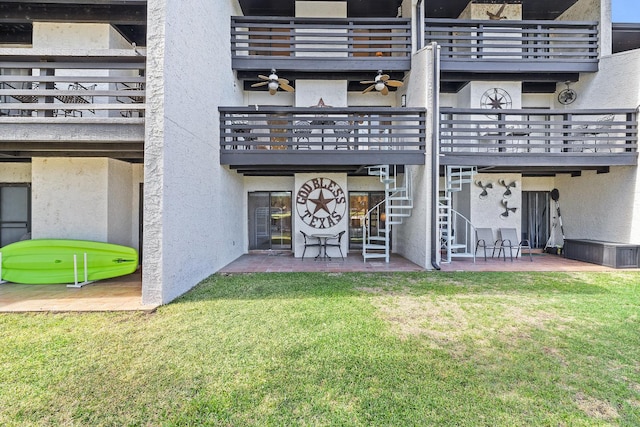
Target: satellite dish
x=555, y=194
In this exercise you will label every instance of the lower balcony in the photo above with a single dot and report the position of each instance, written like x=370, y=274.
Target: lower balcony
x=284, y=140
x=533, y=138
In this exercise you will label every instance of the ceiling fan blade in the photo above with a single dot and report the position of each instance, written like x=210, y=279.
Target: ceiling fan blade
x=286, y=87
x=259, y=84
x=283, y=81
x=272, y=91
x=263, y=77
x=367, y=82
x=369, y=89
x=385, y=91
x=394, y=83
x=384, y=77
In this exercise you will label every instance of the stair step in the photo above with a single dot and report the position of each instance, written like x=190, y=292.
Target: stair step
x=377, y=255
x=377, y=238
x=458, y=246
x=399, y=215
x=374, y=247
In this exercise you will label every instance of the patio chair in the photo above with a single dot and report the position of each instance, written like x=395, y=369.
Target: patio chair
x=302, y=130
x=510, y=240
x=336, y=242
x=485, y=240
x=309, y=242
x=341, y=131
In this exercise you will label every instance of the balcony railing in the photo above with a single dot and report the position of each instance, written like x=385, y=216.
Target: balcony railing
x=538, y=137
x=82, y=84
x=504, y=46
x=318, y=44
x=322, y=135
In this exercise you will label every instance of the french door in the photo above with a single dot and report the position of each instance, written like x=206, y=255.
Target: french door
x=269, y=220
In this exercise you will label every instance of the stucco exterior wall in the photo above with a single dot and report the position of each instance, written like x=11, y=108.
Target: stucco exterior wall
x=82, y=198
x=412, y=238
x=601, y=206
x=61, y=35
x=593, y=10
x=490, y=211
x=190, y=200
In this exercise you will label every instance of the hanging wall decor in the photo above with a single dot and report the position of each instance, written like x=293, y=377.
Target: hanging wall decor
x=484, y=187
x=508, y=187
x=507, y=209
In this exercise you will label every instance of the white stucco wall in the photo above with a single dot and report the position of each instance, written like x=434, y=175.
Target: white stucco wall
x=601, y=206
x=593, y=10
x=191, y=201
x=62, y=35
x=487, y=212
x=82, y=198
x=412, y=239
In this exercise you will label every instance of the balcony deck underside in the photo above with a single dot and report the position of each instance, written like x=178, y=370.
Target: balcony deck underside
x=287, y=163
x=289, y=65
x=546, y=164
x=114, y=138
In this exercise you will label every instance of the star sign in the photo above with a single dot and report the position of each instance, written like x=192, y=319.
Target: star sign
x=321, y=203
x=496, y=102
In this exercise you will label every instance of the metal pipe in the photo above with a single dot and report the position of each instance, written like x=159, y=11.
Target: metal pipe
x=435, y=155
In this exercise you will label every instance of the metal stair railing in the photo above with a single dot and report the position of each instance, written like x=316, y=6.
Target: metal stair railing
x=398, y=203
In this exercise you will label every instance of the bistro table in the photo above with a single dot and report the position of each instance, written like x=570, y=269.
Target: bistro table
x=322, y=252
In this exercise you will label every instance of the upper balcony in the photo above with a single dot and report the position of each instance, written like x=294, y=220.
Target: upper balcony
x=284, y=140
x=312, y=45
x=534, y=139
x=518, y=48
x=72, y=103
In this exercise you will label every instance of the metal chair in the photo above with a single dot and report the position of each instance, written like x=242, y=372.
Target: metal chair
x=342, y=131
x=485, y=240
x=336, y=242
x=309, y=242
x=510, y=240
x=302, y=130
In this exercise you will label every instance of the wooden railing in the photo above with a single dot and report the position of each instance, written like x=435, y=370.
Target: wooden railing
x=314, y=41
x=274, y=135
x=560, y=46
x=96, y=84
x=535, y=133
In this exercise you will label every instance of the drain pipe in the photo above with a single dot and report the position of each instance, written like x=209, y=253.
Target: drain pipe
x=435, y=155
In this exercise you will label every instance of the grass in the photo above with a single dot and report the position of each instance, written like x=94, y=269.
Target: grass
x=397, y=349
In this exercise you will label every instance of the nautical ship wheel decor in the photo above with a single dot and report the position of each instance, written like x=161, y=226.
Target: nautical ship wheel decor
x=567, y=96
x=495, y=99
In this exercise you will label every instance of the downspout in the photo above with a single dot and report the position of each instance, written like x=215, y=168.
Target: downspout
x=435, y=155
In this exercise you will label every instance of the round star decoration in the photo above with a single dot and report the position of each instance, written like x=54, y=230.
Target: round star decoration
x=321, y=203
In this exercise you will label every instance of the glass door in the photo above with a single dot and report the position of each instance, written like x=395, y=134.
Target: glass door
x=535, y=217
x=359, y=204
x=270, y=220
x=15, y=212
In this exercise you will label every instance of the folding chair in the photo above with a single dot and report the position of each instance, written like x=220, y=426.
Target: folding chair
x=485, y=240
x=510, y=240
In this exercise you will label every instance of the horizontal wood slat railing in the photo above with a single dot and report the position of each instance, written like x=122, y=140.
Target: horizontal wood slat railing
x=536, y=132
x=572, y=43
x=326, y=38
x=111, y=84
x=245, y=129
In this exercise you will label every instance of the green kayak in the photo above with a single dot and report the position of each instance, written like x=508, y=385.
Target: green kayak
x=51, y=261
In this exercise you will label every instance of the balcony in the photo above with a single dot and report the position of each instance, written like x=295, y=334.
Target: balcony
x=534, y=138
x=289, y=139
x=322, y=45
x=71, y=103
x=518, y=47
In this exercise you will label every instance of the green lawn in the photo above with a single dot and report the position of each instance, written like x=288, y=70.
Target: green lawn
x=402, y=349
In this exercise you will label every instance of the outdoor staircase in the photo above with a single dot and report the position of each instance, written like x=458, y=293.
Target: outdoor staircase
x=461, y=243
x=397, y=205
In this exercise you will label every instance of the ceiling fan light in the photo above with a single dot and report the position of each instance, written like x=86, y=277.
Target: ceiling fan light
x=273, y=85
x=379, y=86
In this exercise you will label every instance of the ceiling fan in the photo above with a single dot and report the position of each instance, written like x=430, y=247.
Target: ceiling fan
x=381, y=83
x=273, y=82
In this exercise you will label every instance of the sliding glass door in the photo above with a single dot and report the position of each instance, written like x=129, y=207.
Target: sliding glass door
x=359, y=204
x=15, y=212
x=270, y=220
